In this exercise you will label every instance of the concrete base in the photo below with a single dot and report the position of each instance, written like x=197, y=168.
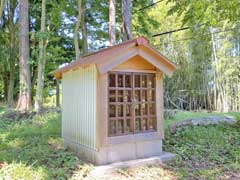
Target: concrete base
x=117, y=152
x=129, y=151
x=164, y=157
x=85, y=153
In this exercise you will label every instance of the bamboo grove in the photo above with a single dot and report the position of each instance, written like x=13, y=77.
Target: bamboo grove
x=208, y=56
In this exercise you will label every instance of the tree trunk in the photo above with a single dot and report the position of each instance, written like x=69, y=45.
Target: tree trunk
x=215, y=82
x=2, y=7
x=112, y=23
x=41, y=63
x=10, y=100
x=84, y=30
x=24, y=100
x=76, y=29
x=12, y=57
x=126, y=20
x=5, y=82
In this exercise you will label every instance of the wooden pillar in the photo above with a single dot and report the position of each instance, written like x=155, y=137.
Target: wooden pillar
x=57, y=94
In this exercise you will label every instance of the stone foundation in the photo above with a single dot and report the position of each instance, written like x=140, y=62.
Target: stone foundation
x=110, y=168
x=117, y=152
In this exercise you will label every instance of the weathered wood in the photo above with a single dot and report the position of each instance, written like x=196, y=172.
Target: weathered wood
x=136, y=63
x=133, y=103
x=134, y=70
x=160, y=62
x=159, y=103
x=115, y=61
x=57, y=93
x=132, y=138
x=117, y=54
x=102, y=110
x=97, y=57
x=147, y=54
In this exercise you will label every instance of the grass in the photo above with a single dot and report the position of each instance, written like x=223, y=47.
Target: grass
x=183, y=115
x=210, y=152
x=31, y=148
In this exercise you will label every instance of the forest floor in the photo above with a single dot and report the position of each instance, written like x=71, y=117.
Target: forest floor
x=31, y=148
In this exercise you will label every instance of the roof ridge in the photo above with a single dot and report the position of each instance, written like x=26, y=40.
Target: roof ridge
x=139, y=41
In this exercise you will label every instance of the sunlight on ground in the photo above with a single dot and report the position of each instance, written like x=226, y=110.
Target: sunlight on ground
x=147, y=172
x=22, y=171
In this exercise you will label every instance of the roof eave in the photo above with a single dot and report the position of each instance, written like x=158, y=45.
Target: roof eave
x=102, y=58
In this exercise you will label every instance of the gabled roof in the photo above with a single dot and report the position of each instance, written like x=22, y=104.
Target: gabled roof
x=111, y=57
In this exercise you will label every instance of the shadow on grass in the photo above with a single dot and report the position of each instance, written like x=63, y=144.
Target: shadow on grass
x=32, y=149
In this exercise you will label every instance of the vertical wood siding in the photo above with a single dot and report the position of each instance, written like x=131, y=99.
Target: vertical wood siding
x=79, y=106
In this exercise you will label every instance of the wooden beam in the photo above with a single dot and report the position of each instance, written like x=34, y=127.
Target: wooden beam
x=157, y=61
x=115, y=61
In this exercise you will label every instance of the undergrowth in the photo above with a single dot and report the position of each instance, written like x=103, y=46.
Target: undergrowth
x=211, y=152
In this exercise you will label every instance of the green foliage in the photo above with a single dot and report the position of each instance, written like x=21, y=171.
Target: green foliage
x=204, y=11
x=207, y=54
x=43, y=35
x=144, y=21
x=32, y=149
x=207, y=152
x=204, y=151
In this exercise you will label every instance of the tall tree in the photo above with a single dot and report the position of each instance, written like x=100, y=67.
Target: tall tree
x=112, y=22
x=2, y=7
x=126, y=19
x=76, y=30
x=12, y=55
x=84, y=29
x=24, y=99
x=42, y=60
